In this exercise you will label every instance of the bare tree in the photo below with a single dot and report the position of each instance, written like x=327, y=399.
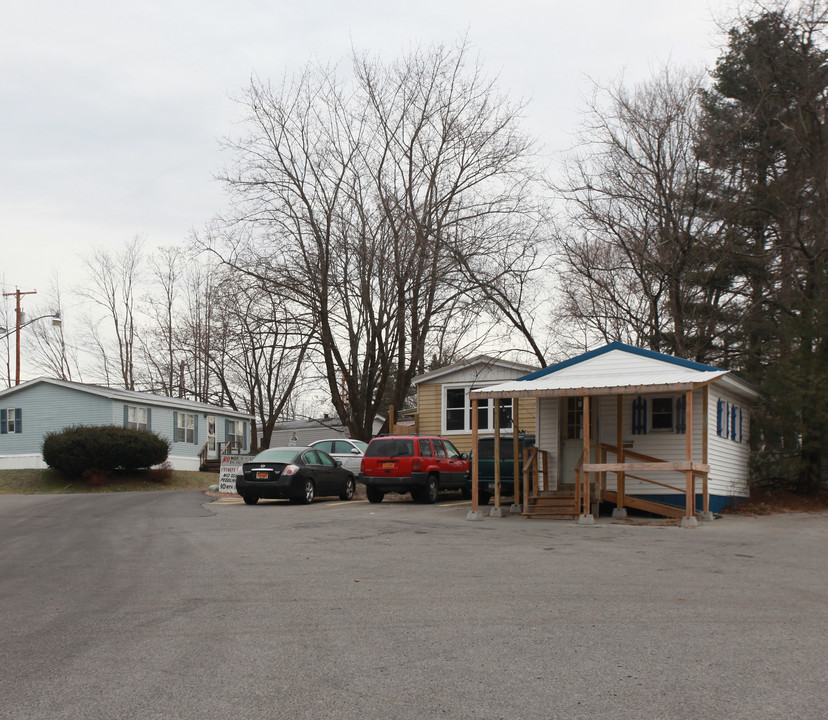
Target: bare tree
x=47, y=345
x=365, y=196
x=159, y=343
x=113, y=281
x=646, y=259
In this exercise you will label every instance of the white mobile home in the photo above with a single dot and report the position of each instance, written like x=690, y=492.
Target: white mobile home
x=635, y=428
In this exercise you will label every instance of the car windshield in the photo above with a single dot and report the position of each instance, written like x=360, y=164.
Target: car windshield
x=391, y=447
x=276, y=455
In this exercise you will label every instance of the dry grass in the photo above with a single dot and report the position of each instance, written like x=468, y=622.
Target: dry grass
x=48, y=481
x=769, y=502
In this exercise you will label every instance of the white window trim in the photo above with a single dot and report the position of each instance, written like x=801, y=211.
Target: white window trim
x=238, y=435
x=11, y=426
x=133, y=413
x=186, y=427
x=467, y=410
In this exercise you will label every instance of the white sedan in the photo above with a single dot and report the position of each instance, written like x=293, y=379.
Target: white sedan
x=349, y=452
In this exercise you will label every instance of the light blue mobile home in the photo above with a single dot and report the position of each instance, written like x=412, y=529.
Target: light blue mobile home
x=196, y=431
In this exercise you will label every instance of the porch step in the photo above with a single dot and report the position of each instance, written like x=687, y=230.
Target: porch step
x=211, y=466
x=552, y=506
x=651, y=506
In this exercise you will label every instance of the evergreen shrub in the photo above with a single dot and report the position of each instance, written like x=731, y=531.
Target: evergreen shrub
x=102, y=448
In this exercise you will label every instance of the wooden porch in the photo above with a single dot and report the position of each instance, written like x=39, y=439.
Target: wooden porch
x=213, y=464
x=590, y=481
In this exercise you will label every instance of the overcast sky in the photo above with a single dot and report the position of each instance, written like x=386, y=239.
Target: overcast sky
x=111, y=111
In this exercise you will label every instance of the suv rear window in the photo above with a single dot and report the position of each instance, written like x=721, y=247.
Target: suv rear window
x=390, y=447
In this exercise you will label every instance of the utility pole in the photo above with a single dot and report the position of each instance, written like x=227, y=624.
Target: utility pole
x=17, y=293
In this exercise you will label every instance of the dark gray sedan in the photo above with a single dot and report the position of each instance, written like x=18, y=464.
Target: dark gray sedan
x=298, y=474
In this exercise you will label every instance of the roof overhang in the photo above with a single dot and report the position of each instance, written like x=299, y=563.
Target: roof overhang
x=552, y=386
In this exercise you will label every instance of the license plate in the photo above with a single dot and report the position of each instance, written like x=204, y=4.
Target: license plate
x=388, y=464
x=262, y=475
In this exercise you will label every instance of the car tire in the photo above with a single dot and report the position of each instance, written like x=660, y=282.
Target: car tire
x=465, y=493
x=350, y=489
x=483, y=497
x=432, y=489
x=374, y=495
x=308, y=492
x=250, y=499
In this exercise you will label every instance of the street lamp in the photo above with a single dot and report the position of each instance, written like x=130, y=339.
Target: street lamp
x=56, y=321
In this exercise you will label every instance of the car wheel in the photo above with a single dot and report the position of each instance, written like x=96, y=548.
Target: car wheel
x=432, y=488
x=465, y=493
x=483, y=497
x=250, y=499
x=308, y=491
x=374, y=495
x=350, y=489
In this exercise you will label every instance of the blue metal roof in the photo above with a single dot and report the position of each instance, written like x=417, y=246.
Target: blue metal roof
x=623, y=347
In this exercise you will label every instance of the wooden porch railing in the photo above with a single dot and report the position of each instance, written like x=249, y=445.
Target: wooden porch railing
x=648, y=463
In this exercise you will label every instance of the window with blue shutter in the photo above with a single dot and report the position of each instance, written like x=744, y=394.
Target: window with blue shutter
x=11, y=421
x=733, y=428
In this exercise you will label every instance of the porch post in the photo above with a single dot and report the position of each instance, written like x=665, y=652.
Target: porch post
x=496, y=511
x=689, y=519
x=586, y=517
x=474, y=513
x=706, y=514
x=621, y=477
x=516, y=506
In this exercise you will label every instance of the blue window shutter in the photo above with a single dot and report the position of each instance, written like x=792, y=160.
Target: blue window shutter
x=149, y=418
x=175, y=426
x=195, y=429
x=733, y=435
x=126, y=415
x=681, y=415
x=18, y=420
x=719, y=418
x=4, y=428
x=639, y=416
x=226, y=429
x=741, y=425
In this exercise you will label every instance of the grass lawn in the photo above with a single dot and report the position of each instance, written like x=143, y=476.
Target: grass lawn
x=49, y=481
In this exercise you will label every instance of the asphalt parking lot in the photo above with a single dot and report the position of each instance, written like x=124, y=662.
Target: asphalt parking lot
x=179, y=605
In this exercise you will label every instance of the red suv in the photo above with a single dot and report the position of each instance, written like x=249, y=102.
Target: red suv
x=420, y=464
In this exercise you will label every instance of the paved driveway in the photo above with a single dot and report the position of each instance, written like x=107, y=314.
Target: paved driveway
x=172, y=605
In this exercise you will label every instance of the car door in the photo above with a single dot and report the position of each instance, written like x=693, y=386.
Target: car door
x=316, y=471
x=347, y=454
x=334, y=475
x=457, y=466
x=443, y=464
